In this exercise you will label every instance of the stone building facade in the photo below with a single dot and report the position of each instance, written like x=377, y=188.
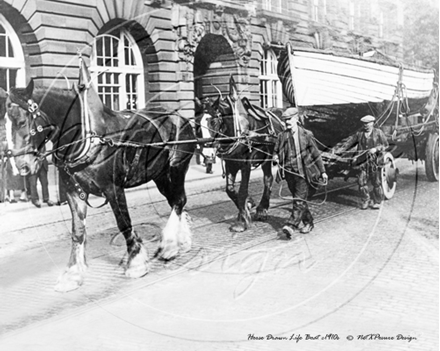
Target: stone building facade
x=168, y=52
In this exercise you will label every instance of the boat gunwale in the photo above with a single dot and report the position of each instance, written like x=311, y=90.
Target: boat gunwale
x=389, y=62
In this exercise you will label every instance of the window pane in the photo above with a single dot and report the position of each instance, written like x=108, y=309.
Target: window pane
x=132, y=61
x=12, y=78
x=130, y=86
x=2, y=46
x=10, y=49
x=8, y=78
x=107, y=100
x=127, y=55
x=107, y=47
x=3, y=83
x=115, y=98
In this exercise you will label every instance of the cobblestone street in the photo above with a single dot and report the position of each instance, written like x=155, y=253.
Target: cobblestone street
x=369, y=275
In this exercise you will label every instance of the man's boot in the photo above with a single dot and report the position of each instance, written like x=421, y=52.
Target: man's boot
x=307, y=228
x=365, y=197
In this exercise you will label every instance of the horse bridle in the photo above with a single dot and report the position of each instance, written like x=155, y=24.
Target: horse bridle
x=36, y=127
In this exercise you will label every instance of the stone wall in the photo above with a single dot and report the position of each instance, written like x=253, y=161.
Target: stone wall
x=52, y=32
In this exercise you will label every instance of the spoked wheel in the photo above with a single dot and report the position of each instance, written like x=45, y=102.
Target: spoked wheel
x=389, y=176
x=431, y=160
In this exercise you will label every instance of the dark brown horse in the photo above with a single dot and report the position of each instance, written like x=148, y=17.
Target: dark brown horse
x=101, y=152
x=255, y=131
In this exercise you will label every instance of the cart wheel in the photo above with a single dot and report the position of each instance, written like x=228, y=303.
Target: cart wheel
x=389, y=176
x=431, y=160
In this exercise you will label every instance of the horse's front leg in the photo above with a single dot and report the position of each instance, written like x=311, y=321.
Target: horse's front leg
x=231, y=170
x=244, y=217
x=263, y=207
x=138, y=263
x=176, y=236
x=73, y=276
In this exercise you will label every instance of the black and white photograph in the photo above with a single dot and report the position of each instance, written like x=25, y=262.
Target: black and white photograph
x=219, y=175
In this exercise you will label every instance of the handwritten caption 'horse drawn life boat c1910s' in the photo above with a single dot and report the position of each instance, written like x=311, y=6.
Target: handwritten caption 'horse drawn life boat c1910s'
x=334, y=91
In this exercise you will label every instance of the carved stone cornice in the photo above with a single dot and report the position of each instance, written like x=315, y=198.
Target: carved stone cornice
x=192, y=23
x=244, y=9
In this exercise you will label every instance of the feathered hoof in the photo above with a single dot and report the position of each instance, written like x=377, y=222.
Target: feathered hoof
x=261, y=216
x=168, y=252
x=237, y=228
x=138, y=265
x=184, y=236
x=70, y=280
x=138, y=270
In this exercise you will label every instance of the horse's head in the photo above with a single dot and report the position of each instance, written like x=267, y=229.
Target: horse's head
x=221, y=122
x=30, y=129
x=229, y=115
x=222, y=113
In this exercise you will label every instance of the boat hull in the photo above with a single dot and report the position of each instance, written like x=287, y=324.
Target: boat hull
x=333, y=91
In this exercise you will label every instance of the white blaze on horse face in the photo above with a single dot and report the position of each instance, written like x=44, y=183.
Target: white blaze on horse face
x=207, y=151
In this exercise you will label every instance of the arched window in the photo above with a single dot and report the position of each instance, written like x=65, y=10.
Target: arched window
x=12, y=65
x=117, y=61
x=270, y=85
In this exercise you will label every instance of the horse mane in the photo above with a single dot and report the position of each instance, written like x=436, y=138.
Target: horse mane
x=60, y=95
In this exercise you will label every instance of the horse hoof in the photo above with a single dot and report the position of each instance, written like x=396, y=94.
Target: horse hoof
x=261, y=216
x=69, y=281
x=138, y=265
x=237, y=228
x=168, y=253
x=137, y=271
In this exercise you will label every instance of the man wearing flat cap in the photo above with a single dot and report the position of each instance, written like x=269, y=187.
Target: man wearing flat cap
x=301, y=165
x=370, y=141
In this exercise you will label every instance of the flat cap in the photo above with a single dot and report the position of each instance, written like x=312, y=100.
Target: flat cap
x=289, y=113
x=367, y=119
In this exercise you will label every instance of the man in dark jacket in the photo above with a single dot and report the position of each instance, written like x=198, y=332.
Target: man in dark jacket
x=370, y=141
x=42, y=176
x=301, y=165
